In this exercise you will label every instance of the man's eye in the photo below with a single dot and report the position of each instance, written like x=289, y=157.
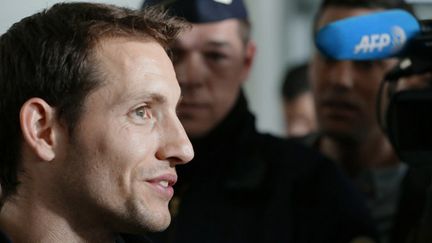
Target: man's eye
x=143, y=112
x=215, y=56
x=366, y=65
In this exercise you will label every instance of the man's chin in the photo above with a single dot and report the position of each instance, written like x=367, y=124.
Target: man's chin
x=343, y=136
x=161, y=220
x=155, y=225
x=143, y=219
x=159, y=227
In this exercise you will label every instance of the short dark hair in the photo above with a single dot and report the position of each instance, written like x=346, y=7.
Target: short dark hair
x=49, y=55
x=372, y=4
x=295, y=82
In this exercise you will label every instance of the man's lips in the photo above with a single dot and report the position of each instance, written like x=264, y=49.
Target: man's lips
x=164, y=185
x=339, y=109
x=340, y=104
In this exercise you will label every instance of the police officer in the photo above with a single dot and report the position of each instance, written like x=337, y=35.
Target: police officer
x=244, y=186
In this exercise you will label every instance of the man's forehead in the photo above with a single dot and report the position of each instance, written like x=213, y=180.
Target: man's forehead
x=217, y=34
x=333, y=13
x=133, y=68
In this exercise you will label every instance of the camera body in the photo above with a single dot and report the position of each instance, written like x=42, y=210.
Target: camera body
x=406, y=114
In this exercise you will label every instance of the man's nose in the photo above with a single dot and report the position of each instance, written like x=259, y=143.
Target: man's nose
x=175, y=146
x=341, y=74
x=191, y=70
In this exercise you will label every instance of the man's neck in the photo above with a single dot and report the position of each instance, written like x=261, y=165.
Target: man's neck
x=375, y=151
x=31, y=221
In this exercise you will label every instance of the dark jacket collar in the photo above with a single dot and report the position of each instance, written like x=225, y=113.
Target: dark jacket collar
x=230, y=153
x=4, y=238
x=229, y=128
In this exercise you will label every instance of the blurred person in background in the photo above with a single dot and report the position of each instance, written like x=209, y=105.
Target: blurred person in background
x=345, y=95
x=244, y=186
x=298, y=104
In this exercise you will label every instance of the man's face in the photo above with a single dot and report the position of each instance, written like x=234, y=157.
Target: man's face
x=300, y=115
x=120, y=161
x=345, y=91
x=211, y=62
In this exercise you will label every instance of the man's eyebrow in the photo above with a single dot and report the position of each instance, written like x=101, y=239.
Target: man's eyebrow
x=149, y=97
x=156, y=97
x=218, y=44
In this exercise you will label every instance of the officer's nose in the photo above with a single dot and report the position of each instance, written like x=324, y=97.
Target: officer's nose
x=191, y=70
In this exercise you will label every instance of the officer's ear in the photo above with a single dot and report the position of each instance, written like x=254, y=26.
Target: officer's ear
x=38, y=125
x=249, y=57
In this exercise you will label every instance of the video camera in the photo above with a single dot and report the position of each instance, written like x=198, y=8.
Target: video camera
x=404, y=103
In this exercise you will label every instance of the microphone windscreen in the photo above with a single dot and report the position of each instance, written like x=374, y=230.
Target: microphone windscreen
x=373, y=36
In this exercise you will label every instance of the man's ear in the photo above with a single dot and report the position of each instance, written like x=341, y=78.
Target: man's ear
x=39, y=127
x=250, y=51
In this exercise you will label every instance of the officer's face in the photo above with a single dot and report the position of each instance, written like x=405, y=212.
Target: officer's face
x=346, y=91
x=211, y=63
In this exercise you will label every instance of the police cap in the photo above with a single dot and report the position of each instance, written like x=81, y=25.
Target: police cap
x=203, y=11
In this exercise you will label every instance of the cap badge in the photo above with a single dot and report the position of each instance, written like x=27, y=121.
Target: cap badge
x=227, y=2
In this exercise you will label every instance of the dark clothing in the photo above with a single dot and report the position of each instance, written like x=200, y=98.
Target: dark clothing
x=128, y=238
x=413, y=222
x=381, y=188
x=243, y=186
x=4, y=238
